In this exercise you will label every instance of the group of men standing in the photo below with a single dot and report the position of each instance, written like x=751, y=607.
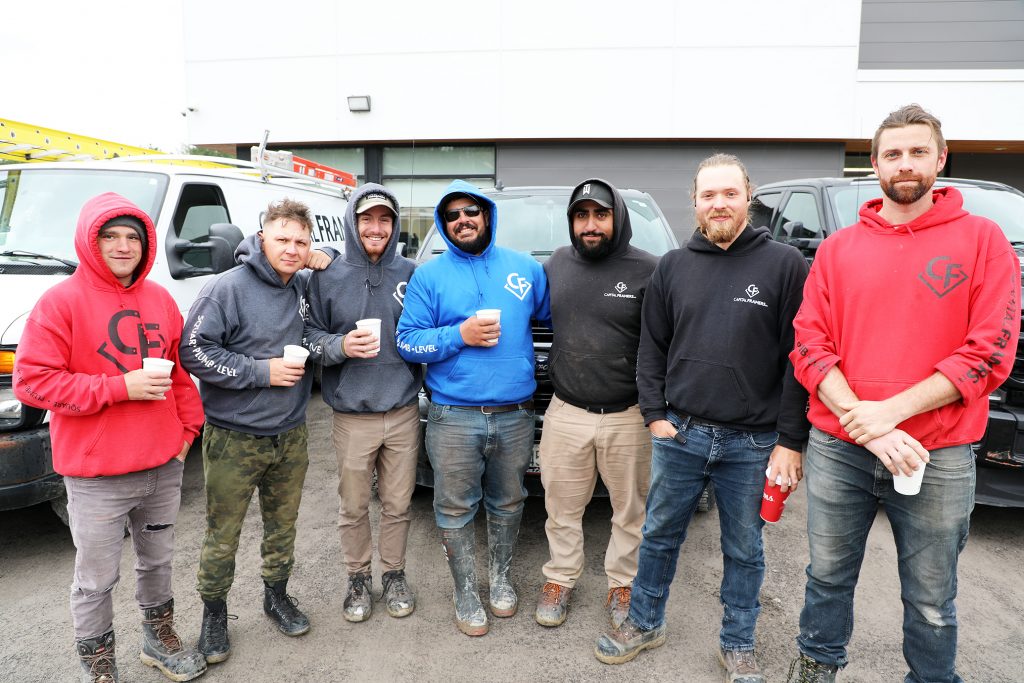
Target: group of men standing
x=718, y=364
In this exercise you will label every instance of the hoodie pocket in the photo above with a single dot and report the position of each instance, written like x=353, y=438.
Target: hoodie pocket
x=491, y=380
x=706, y=389
x=593, y=377
x=373, y=386
x=136, y=435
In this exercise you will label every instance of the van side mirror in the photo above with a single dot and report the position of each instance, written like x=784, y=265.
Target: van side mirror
x=218, y=248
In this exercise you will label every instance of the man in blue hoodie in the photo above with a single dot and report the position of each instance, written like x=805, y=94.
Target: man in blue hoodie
x=373, y=392
x=480, y=372
x=255, y=402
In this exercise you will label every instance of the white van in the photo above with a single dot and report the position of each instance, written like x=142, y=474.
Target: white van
x=201, y=213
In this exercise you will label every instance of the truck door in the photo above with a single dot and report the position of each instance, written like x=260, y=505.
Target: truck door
x=799, y=221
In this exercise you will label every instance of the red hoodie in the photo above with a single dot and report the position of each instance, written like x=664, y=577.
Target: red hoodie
x=891, y=305
x=80, y=339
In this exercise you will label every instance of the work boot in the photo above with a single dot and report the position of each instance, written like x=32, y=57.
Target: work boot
x=807, y=670
x=740, y=666
x=501, y=541
x=96, y=655
x=214, y=643
x=162, y=648
x=459, y=548
x=398, y=597
x=553, y=605
x=617, y=605
x=359, y=598
x=281, y=607
x=620, y=645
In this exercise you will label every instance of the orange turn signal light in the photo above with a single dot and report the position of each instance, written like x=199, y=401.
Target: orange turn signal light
x=6, y=362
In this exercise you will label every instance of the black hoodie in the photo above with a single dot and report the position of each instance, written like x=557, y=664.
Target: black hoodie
x=717, y=332
x=595, y=313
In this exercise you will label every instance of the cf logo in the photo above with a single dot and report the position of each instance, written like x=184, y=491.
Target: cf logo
x=519, y=286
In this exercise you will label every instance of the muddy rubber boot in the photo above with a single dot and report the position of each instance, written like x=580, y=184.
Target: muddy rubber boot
x=502, y=533
x=214, y=643
x=459, y=547
x=162, y=648
x=281, y=607
x=96, y=655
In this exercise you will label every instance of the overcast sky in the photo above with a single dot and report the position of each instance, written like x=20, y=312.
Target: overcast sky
x=106, y=69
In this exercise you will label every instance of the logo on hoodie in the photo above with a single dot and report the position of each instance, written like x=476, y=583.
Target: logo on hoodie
x=942, y=276
x=132, y=338
x=399, y=293
x=519, y=286
x=751, y=291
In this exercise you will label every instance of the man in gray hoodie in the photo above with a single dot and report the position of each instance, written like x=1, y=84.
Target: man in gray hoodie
x=373, y=392
x=255, y=402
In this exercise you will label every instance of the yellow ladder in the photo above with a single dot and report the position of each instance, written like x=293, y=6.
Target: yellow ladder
x=25, y=142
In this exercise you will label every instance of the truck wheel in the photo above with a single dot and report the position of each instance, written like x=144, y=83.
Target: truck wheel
x=60, y=507
x=707, y=499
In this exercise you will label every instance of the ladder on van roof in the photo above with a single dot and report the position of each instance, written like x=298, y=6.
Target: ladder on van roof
x=23, y=142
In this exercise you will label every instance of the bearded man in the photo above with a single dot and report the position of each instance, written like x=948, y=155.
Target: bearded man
x=719, y=397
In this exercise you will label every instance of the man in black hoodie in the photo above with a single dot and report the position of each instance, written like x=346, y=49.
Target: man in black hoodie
x=593, y=425
x=719, y=396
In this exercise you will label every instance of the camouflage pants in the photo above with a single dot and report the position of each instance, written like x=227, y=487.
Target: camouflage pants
x=235, y=464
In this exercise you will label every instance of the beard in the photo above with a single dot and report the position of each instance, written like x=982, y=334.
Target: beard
x=720, y=233
x=474, y=245
x=906, y=195
x=602, y=248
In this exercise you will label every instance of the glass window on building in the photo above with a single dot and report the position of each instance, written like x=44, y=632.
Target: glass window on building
x=350, y=159
x=419, y=175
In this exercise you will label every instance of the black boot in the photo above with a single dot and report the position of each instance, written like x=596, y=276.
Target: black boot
x=459, y=547
x=214, y=643
x=502, y=533
x=96, y=655
x=162, y=648
x=280, y=607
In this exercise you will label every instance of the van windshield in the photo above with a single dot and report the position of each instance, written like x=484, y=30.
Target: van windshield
x=39, y=208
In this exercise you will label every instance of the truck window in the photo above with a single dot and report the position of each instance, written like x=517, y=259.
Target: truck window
x=802, y=208
x=200, y=206
x=763, y=207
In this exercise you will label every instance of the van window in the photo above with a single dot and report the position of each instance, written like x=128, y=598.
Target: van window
x=200, y=206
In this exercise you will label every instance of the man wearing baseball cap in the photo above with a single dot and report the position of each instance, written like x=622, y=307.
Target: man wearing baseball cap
x=593, y=425
x=373, y=392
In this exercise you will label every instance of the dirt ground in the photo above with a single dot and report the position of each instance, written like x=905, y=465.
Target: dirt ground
x=36, y=558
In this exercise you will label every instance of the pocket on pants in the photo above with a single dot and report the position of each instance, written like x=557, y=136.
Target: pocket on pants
x=762, y=440
x=437, y=413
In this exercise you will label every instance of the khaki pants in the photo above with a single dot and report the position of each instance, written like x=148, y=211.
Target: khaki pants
x=575, y=447
x=389, y=443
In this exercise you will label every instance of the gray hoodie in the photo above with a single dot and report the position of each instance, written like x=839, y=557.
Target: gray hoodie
x=241, y=320
x=350, y=289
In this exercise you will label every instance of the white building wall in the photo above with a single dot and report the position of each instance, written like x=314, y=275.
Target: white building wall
x=582, y=69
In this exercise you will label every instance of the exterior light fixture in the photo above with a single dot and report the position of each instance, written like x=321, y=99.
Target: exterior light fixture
x=359, y=103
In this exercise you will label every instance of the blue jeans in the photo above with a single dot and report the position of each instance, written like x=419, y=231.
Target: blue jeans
x=734, y=461
x=477, y=456
x=845, y=484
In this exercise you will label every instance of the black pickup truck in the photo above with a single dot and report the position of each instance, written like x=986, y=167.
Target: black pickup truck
x=804, y=212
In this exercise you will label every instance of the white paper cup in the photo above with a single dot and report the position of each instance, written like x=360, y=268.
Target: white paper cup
x=373, y=325
x=295, y=355
x=160, y=365
x=489, y=314
x=909, y=486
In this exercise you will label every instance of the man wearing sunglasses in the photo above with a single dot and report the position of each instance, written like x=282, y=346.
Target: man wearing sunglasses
x=480, y=373
x=593, y=425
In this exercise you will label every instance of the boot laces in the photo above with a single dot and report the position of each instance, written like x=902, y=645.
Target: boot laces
x=621, y=596
x=287, y=606
x=357, y=584
x=101, y=665
x=394, y=581
x=808, y=669
x=164, y=627
x=552, y=592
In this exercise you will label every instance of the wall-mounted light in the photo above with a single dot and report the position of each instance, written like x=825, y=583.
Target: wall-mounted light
x=359, y=103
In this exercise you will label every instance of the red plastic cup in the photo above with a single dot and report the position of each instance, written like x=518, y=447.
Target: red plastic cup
x=773, y=500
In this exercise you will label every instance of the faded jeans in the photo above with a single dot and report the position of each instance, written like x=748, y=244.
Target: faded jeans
x=477, y=456
x=98, y=508
x=734, y=461
x=845, y=483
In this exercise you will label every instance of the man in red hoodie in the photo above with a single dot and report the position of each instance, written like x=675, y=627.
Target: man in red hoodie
x=910, y=319
x=119, y=433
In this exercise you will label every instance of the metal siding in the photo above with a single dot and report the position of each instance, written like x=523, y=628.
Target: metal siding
x=940, y=34
x=664, y=170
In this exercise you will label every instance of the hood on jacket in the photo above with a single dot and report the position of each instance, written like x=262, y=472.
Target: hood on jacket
x=486, y=203
x=355, y=252
x=622, y=231
x=249, y=252
x=947, y=206
x=95, y=213
x=749, y=238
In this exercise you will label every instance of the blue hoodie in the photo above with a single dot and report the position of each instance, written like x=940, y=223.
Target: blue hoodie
x=450, y=288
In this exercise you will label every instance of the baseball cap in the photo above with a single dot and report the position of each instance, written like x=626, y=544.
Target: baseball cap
x=594, y=191
x=372, y=199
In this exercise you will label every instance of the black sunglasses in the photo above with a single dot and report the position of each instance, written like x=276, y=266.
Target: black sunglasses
x=472, y=211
